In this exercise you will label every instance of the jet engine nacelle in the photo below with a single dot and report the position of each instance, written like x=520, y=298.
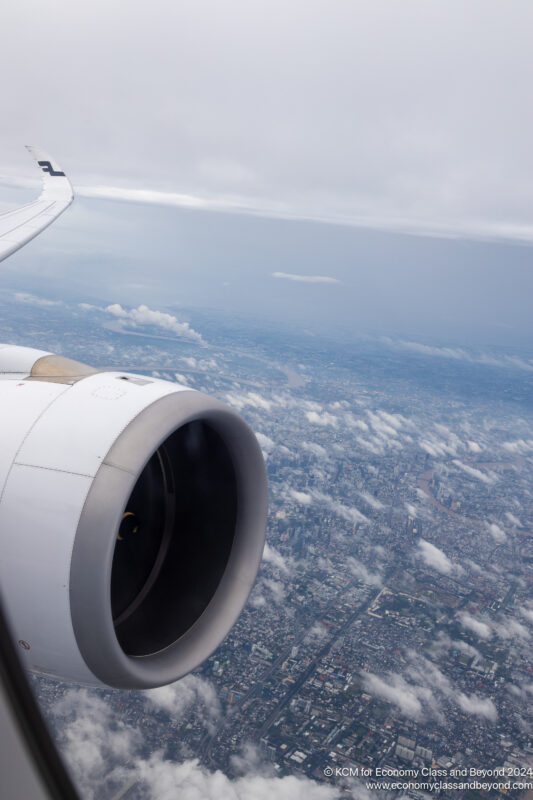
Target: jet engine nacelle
x=132, y=519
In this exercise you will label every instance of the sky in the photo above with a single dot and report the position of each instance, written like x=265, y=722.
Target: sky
x=385, y=147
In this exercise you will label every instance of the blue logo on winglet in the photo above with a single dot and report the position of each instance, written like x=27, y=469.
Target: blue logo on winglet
x=47, y=167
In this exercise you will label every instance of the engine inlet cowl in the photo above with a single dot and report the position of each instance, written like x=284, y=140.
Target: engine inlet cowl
x=182, y=492
x=132, y=522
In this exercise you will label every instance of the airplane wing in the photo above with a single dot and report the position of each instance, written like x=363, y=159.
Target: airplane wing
x=19, y=226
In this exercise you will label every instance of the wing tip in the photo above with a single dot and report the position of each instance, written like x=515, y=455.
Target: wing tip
x=50, y=169
x=24, y=223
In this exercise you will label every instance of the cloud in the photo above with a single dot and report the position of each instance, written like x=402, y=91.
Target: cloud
x=510, y=628
x=422, y=497
x=322, y=419
x=437, y=447
x=443, y=643
x=465, y=648
x=356, y=423
x=435, y=558
x=92, y=738
x=289, y=276
x=166, y=780
x=382, y=426
x=430, y=676
x=376, y=448
x=395, y=420
x=316, y=633
x=304, y=498
x=481, y=629
x=505, y=627
x=253, y=399
x=257, y=599
x=439, y=442
x=274, y=557
x=349, y=513
x=476, y=473
x=143, y=315
x=497, y=533
x=265, y=442
x=276, y=589
x=362, y=574
x=190, y=692
x=427, y=673
x=33, y=300
x=459, y=354
x=372, y=501
x=271, y=589
x=513, y=519
x=410, y=156
x=315, y=449
x=479, y=706
x=272, y=208
x=519, y=446
x=105, y=753
x=524, y=691
x=396, y=690
x=381, y=430
x=473, y=567
x=152, y=196
x=527, y=613
x=474, y=447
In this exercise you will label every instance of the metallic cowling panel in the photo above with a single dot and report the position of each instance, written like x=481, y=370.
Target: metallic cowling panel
x=58, y=369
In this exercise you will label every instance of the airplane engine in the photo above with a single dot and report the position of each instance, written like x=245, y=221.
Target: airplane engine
x=132, y=520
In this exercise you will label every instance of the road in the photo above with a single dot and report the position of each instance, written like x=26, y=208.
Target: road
x=271, y=719
x=209, y=740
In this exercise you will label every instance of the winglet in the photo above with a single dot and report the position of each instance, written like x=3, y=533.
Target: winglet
x=55, y=182
x=19, y=226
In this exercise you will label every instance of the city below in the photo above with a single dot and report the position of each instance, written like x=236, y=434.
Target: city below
x=389, y=632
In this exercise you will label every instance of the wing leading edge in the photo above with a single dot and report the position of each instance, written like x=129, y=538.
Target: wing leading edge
x=19, y=226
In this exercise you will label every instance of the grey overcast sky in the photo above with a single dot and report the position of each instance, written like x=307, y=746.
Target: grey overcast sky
x=410, y=116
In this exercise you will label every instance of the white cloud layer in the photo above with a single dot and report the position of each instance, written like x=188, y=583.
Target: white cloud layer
x=143, y=315
x=372, y=501
x=252, y=399
x=477, y=626
x=503, y=627
x=395, y=689
x=189, y=692
x=323, y=419
x=33, y=300
x=472, y=472
x=91, y=738
x=422, y=691
x=408, y=150
x=497, y=533
x=460, y=354
x=274, y=557
x=433, y=557
x=105, y=754
x=189, y=781
x=362, y=573
x=289, y=276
